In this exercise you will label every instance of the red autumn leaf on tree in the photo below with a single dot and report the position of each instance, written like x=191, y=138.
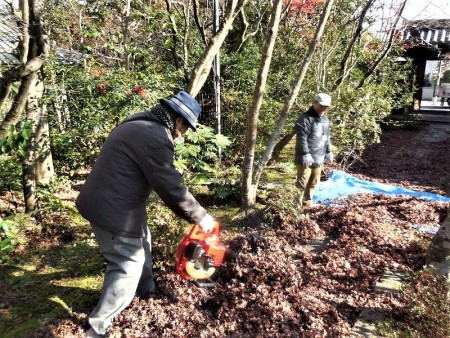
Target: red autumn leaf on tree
x=305, y=6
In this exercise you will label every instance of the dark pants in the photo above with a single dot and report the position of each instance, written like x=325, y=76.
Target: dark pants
x=128, y=271
x=307, y=180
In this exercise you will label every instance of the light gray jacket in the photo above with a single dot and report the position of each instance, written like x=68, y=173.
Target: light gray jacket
x=136, y=159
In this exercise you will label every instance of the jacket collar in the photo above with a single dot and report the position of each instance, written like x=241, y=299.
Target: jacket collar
x=312, y=112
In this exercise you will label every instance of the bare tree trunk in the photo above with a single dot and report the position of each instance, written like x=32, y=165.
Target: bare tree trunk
x=28, y=180
x=176, y=57
x=438, y=256
x=24, y=24
x=34, y=53
x=202, y=68
x=15, y=114
x=6, y=83
x=126, y=34
x=43, y=162
x=248, y=190
x=14, y=75
x=43, y=156
x=292, y=96
x=28, y=161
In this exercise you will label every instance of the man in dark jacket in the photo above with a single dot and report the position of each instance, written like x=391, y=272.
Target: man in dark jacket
x=313, y=146
x=136, y=159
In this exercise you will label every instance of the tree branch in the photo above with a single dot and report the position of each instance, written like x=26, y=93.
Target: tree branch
x=386, y=49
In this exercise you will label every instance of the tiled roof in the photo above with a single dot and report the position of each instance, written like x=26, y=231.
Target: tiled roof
x=430, y=35
x=429, y=31
x=9, y=38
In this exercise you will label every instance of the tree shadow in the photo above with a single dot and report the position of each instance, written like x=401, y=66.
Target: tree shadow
x=61, y=282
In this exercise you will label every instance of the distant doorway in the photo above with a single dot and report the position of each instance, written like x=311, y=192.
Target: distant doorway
x=436, y=89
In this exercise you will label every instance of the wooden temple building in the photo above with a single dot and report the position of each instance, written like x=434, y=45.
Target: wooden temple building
x=425, y=40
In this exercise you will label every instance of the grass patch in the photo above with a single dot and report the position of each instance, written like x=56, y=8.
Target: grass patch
x=47, y=283
x=428, y=312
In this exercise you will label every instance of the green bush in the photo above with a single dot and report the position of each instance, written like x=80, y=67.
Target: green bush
x=17, y=139
x=199, y=152
x=10, y=236
x=88, y=102
x=12, y=149
x=10, y=173
x=205, y=154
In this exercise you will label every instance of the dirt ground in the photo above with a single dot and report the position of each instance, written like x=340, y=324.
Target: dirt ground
x=417, y=159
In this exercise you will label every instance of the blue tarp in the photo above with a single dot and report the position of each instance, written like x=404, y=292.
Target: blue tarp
x=340, y=185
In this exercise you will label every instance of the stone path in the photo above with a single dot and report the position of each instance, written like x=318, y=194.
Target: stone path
x=391, y=282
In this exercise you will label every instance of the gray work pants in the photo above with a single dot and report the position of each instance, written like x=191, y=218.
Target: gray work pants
x=128, y=271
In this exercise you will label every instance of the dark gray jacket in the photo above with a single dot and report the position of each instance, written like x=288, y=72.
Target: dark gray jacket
x=313, y=137
x=136, y=159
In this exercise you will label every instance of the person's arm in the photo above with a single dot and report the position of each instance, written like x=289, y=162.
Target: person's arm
x=166, y=181
x=303, y=155
x=302, y=128
x=329, y=157
x=328, y=146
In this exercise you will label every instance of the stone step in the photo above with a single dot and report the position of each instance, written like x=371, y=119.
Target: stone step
x=390, y=282
x=319, y=244
x=365, y=326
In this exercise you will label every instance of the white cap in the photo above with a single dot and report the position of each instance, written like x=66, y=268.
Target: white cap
x=323, y=99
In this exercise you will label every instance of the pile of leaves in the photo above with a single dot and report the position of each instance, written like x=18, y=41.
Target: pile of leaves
x=275, y=285
x=414, y=159
x=280, y=282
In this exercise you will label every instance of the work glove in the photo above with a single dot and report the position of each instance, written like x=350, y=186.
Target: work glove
x=329, y=158
x=207, y=223
x=307, y=160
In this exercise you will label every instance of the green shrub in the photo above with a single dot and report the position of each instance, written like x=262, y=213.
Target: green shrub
x=10, y=173
x=10, y=236
x=17, y=139
x=225, y=184
x=12, y=149
x=199, y=152
x=199, y=155
x=88, y=102
x=47, y=200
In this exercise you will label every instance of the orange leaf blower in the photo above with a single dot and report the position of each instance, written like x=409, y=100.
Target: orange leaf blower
x=199, y=254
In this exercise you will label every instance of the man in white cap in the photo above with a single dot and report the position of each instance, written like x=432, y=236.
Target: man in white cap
x=136, y=159
x=313, y=147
